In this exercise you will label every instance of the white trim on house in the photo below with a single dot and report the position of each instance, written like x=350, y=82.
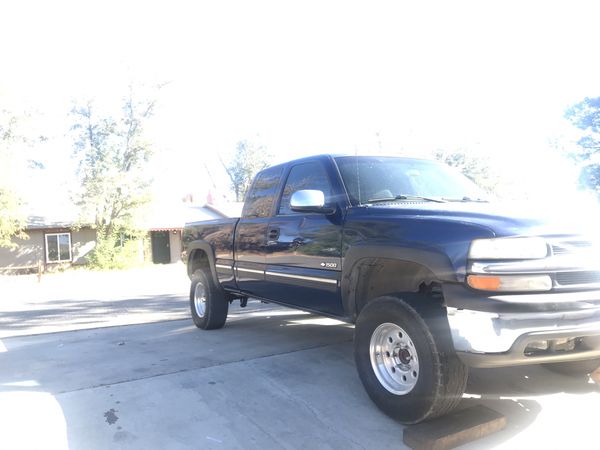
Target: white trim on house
x=48, y=261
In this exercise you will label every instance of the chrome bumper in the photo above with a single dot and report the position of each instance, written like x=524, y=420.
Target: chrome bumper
x=484, y=339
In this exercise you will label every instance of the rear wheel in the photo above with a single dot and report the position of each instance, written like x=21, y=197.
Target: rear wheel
x=408, y=370
x=207, y=303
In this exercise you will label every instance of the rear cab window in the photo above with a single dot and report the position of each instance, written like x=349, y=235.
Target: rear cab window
x=261, y=196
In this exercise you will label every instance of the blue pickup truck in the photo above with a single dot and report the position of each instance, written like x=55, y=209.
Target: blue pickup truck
x=435, y=278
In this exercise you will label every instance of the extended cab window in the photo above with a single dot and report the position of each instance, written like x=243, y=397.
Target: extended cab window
x=310, y=175
x=261, y=196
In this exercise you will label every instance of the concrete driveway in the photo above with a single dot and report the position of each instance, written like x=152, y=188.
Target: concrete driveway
x=272, y=378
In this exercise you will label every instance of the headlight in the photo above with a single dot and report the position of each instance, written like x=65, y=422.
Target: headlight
x=509, y=248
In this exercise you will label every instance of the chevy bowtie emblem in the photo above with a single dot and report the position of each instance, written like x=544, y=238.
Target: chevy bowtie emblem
x=329, y=265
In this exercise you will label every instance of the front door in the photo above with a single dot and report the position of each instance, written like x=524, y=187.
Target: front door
x=161, y=250
x=304, y=249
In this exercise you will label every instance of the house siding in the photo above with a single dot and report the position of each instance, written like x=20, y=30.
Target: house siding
x=175, y=245
x=83, y=242
x=28, y=252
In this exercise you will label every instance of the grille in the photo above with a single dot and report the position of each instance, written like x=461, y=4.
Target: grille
x=568, y=247
x=575, y=278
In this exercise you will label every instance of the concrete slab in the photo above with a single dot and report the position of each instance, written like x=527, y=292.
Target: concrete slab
x=81, y=299
x=269, y=379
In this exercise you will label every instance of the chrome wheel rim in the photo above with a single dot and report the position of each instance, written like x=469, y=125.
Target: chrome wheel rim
x=200, y=299
x=394, y=358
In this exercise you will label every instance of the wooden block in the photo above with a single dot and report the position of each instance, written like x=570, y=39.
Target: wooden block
x=455, y=429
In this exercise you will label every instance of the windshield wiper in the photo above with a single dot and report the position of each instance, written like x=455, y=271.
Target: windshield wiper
x=467, y=199
x=405, y=197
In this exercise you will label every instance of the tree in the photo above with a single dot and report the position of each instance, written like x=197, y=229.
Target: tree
x=585, y=115
x=12, y=221
x=474, y=167
x=247, y=160
x=112, y=154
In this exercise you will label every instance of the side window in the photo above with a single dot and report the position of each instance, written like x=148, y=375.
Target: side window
x=311, y=175
x=58, y=247
x=261, y=195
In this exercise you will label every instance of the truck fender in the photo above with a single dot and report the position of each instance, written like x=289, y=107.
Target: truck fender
x=427, y=265
x=206, y=248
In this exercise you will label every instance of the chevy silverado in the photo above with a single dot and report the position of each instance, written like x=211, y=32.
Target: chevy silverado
x=435, y=278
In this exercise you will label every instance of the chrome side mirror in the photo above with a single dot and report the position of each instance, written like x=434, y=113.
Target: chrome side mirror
x=309, y=200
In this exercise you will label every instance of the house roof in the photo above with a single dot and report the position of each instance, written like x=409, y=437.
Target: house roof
x=163, y=215
x=46, y=215
x=173, y=216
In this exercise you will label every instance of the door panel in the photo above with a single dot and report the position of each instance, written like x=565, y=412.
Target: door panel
x=303, y=254
x=251, y=232
x=306, y=257
x=161, y=252
x=250, y=244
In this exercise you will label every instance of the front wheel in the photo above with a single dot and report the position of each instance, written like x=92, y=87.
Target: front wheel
x=404, y=368
x=207, y=303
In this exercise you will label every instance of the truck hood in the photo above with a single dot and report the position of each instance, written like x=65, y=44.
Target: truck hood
x=506, y=219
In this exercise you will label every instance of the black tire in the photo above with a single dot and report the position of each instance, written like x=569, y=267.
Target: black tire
x=574, y=368
x=215, y=304
x=442, y=377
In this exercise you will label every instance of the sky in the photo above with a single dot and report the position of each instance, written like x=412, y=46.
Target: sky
x=309, y=77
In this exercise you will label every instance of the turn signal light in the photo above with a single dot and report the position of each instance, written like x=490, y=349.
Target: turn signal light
x=484, y=283
x=510, y=283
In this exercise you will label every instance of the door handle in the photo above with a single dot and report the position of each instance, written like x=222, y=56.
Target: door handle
x=273, y=234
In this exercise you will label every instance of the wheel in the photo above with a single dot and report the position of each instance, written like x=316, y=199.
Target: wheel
x=207, y=303
x=406, y=370
x=574, y=368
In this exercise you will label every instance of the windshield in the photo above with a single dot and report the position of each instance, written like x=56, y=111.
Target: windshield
x=370, y=179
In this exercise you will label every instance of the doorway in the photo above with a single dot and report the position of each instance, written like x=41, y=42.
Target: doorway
x=161, y=252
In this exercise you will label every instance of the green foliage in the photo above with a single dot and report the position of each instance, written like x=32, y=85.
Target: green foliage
x=247, y=160
x=585, y=115
x=112, y=252
x=477, y=168
x=12, y=220
x=589, y=178
x=112, y=155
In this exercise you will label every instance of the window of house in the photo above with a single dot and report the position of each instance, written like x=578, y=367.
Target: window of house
x=311, y=175
x=58, y=247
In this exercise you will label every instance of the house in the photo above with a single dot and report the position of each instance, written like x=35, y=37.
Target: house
x=166, y=223
x=50, y=242
x=59, y=242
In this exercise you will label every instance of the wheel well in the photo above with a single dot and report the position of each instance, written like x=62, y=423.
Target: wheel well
x=197, y=260
x=376, y=277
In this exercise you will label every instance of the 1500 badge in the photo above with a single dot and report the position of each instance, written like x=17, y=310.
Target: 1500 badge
x=329, y=265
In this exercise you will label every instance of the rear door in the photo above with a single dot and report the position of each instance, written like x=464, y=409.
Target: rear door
x=304, y=249
x=251, y=232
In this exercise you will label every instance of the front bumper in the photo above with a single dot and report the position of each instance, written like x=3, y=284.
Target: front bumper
x=514, y=332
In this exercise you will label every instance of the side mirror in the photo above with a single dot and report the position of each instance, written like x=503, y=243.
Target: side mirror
x=310, y=200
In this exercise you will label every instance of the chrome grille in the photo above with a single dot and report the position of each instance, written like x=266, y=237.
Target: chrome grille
x=577, y=278
x=569, y=246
